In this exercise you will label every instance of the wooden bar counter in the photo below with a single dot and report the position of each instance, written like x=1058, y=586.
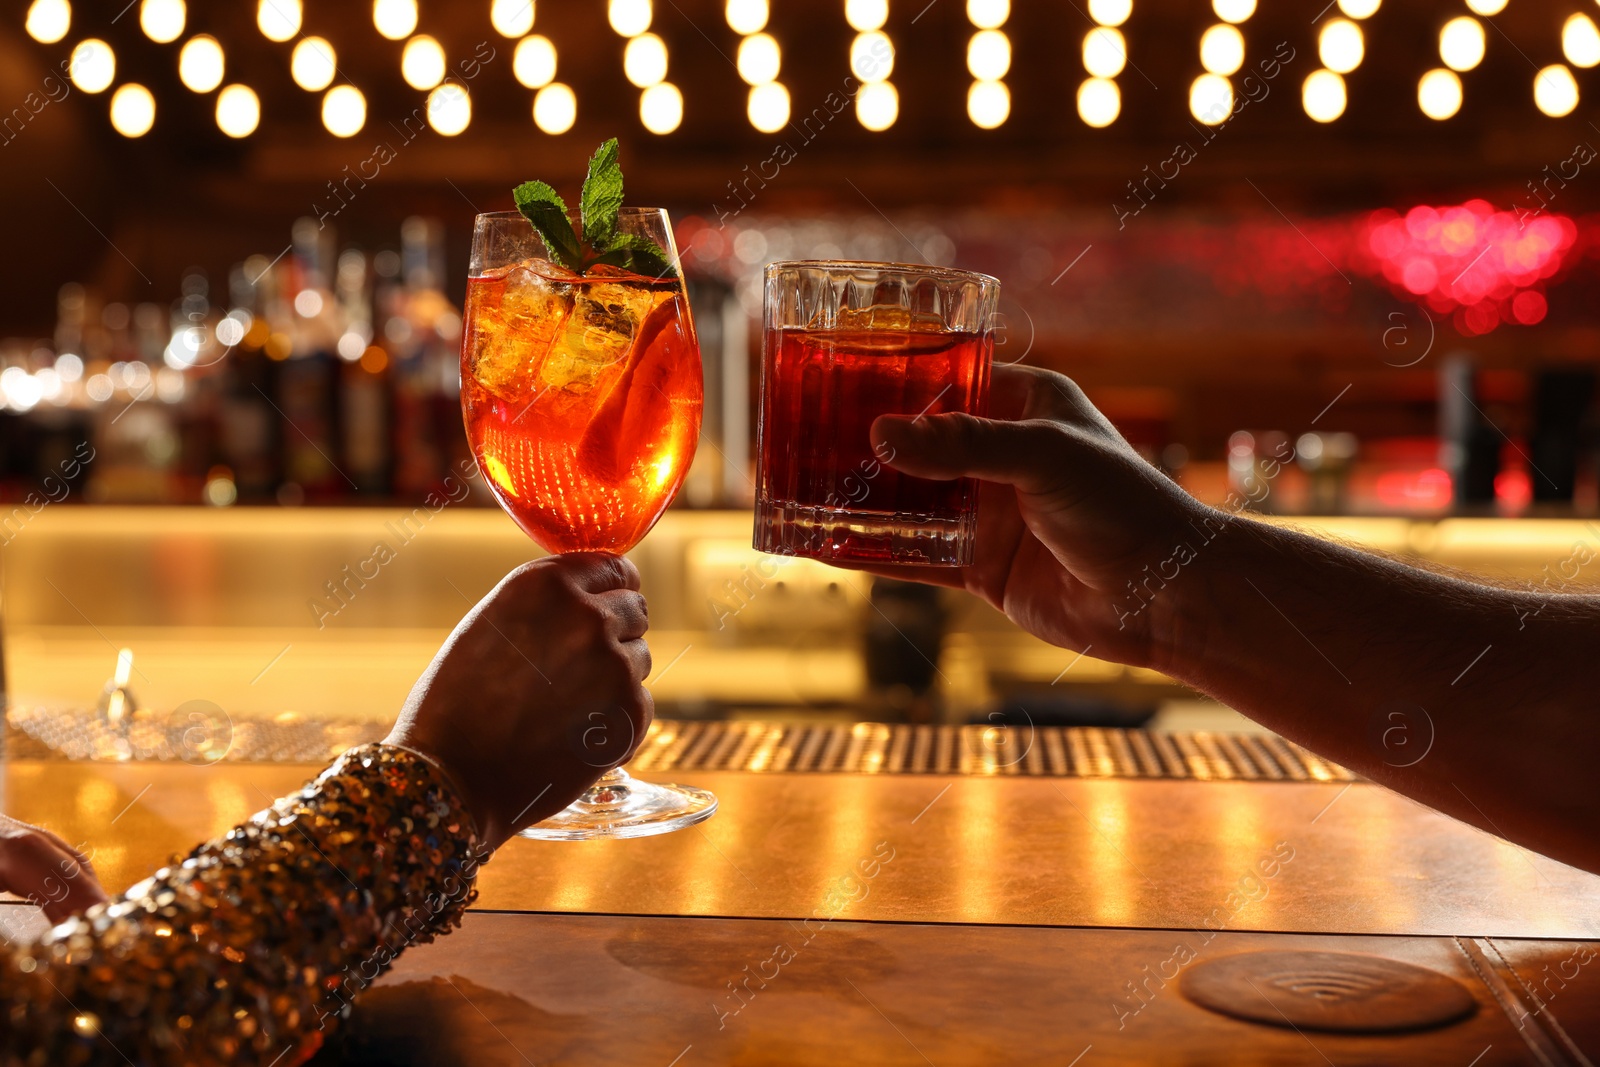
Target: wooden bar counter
x=930, y=919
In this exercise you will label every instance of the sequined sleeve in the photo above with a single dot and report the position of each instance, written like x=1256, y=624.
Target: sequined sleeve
x=250, y=949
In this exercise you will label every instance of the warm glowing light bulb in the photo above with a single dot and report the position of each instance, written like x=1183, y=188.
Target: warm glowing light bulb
x=872, y=56
x=1211, y=99
x=395, y=19
x=1461, y=43
x=1099, y=102
x=313, y=64
x=1555, y=90
x=1486, y=7
x=1105, y=52
x=1580, y=41
x=661, y=108
x=49, y=20
x=238, y=111
x=1110, y=12
x=555, y=108
x=162, y=20
x=1340, y=45
x=1222, y=49
x=988, y=104
x=422, y=62
x=644, y=60
x=1360, y=9
x=278, y=20
x=877, y=106
x=1439, y=94
x=864, y=16
x=759, y=59
x=1323, y=95
x=344, y=110
x=93, y=66
x=629, y=17
x=1234, y=11
x=133, y=110
x=989, y=55
x=988, y=14
x=746, y=16
x=449, y=109
x=511, y=18
x=200, y=63
x=534, y=62
x=768, y=107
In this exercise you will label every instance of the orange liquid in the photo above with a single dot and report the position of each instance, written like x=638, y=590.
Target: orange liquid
x=582, y=399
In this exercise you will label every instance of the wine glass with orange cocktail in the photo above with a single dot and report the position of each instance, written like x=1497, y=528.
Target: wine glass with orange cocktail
x=581, y=391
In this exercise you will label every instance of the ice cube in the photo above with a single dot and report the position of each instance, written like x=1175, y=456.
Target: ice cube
x=597, y=335
x=511, y=338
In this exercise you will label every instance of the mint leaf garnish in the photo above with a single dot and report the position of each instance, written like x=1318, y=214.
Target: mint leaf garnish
x=600, y=203
x=602, y=196
x=543, y=206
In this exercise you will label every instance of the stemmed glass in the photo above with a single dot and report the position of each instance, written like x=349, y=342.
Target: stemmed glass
x=582, y=398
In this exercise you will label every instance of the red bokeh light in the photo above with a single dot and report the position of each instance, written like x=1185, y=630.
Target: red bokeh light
x=1529, y=307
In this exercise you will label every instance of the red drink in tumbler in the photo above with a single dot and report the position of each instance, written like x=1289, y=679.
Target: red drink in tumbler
x=823, y=491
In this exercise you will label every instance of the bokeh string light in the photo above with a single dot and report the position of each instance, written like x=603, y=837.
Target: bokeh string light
x=759, y=59
x=1105, y=54
x=988, y=61
x=871, y=63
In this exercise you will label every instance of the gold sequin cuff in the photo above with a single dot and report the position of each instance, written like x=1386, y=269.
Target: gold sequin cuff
x=252, y=946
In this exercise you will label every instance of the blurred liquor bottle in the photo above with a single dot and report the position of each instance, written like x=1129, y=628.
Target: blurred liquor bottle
x=422, y=334
x=248, y=426
x=307, y=377
x=364, y=404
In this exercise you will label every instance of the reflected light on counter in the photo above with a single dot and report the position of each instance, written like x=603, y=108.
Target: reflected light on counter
x=864, y=16
x=162, y=20
x=1234, y=11
x=133, y=110
x=1110, y=12
x=1323, y=95
x=313, y=64
x=629, y=17
x=511, y=18
x=877, y=106
x=1222, y=49
x=278, y=20
x=1555, y=90
x=989, y=54
x=1340, y=46
x=200, y=63
x=49, y=20
x=344, y=110
x=988, y=14
x=1211, y=99
x=644, y=60
x=661, y=108
x=768, y=107
x=1099, y=102
x=1580, y=41
x=1105, y=52
x=93, y=66
x=422, y=62
x=759, y=59
x=872, y=56
x=746, y=16
x=238, y=111
x=534, y=62
x=1461, y=43
x=1439, y=94
x=449, y=109
x=555, y=108
x=395, y=19
x=988, y=104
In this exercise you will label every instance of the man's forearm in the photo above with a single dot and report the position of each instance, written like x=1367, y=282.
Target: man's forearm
x=1414, y=679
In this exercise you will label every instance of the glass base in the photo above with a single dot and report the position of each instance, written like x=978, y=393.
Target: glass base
x=619, y=805
x=789, y=529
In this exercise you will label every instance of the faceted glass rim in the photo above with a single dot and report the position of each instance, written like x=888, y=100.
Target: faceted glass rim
x=863, y=266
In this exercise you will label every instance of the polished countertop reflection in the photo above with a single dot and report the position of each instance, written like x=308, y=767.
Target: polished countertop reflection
x=1312, y=857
